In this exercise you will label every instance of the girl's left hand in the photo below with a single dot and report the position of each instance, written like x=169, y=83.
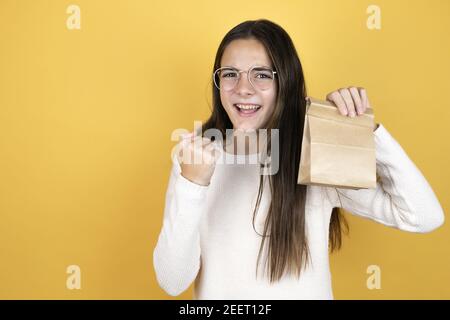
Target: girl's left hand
x=350, y=101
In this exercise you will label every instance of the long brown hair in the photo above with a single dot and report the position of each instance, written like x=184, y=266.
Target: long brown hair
x=288, y=246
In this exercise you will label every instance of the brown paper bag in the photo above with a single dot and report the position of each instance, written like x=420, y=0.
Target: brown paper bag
x=337, y=150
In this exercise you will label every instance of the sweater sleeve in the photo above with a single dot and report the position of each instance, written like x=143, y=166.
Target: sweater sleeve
x=402, y=199
x=176, y=257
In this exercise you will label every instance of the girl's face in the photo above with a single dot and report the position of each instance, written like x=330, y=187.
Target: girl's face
x=242, y=55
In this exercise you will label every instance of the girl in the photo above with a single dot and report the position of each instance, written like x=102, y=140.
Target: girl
x=218, y=224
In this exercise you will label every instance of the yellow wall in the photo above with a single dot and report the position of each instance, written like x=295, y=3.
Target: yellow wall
x=86, y=117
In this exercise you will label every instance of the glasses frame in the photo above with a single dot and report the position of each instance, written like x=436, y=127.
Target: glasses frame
x=239, y=76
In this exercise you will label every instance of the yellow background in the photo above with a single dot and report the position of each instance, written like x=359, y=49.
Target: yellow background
x=86, y=117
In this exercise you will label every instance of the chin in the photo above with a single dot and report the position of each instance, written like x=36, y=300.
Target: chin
x=246, y=127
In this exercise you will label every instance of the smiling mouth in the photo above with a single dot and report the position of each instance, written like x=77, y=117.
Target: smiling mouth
x=247, y=110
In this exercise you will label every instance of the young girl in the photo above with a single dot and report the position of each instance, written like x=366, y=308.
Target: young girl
x=220, y=219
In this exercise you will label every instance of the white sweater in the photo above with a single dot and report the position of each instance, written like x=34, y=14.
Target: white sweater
x=207, y=234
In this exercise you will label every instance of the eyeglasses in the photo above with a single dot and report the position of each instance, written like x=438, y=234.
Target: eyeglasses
x=261, y=78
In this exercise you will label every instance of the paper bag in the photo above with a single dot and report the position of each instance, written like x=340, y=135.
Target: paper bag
x=337, y=150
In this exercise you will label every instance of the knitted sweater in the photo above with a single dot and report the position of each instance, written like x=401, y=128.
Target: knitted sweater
x=207, y=234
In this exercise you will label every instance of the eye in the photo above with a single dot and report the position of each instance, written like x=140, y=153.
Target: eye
x=229, y=74
x=263, y=76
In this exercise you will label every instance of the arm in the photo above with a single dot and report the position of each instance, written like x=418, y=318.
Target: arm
x=176, y=257
x=403, y=199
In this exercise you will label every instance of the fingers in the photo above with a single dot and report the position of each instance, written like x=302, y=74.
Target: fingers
x=212, y=153
x=338, y=100
x=356, y=99
x=345, y=93
x=193, y=138
x=187, y=135
x=195, y=149
x=350, y=101
x=365, y=100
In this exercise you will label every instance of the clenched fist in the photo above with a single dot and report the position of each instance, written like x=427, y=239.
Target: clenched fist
x=197, y=157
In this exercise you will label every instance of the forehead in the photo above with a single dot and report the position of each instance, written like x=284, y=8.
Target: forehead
x=245, y=53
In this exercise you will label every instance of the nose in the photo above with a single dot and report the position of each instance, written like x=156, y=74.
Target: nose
x=243, y=86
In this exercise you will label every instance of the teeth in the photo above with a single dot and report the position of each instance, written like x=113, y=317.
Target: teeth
x=247, y=106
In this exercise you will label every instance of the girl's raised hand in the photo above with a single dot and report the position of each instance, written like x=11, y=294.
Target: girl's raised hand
x=197, y=158
x=350, y=101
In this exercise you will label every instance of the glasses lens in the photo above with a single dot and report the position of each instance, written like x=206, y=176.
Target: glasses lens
x=226, y=79
x=261, y=78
